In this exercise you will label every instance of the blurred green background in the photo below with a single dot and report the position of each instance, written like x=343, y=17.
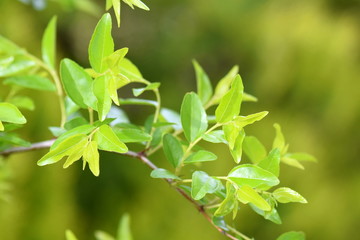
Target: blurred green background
x=301, y=59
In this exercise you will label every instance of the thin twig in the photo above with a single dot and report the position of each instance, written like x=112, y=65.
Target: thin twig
x=143, y=158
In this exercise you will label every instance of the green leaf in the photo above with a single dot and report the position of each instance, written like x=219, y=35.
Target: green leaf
x=253, y=176
x=75, y=122
x=76, y=152
x=10, y=113
x=163, y=173
x=204, y=88
x=304, y=157
x=202, y=184
x=229, y=202
x=137, y=101
x=254, y=149
x=279, y=141
x=139, y=4
x=200, y=156
x=193, y=117
x=286, y=195
x=173, y=150
x=124, y=232
x=7, y=46
x=128, y=69
x=109, y=4
x=138, y=91
x=271, y=215
x=230, y=103
x=246, y=195
x=231, y=132
x=1, y=126
x=224, y=84
x=216, y=136
x=70, y=106
x=249, y=98
x=242, y=121
x=13, y=139
x=18, y=66
x=292, y=162
x=117, y=9
x=108, y=140
x=70, y=235
x=31, y=81
x=292, y=236
x=101, y=235
x=101, y=44
x=236, y=152
x=91, y=156
x=64, y=148
x=114, y=59
x=48, y=44
x=272, y=162
x=101, y=92
x=84, y=129
x=132, y=135
x=77, y=84
x=23, y=102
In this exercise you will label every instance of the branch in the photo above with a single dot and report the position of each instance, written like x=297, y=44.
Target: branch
x=142, y=157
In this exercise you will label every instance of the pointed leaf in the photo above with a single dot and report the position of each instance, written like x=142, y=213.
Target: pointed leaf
x=236, y=152
x=242, y=121
x=130, y=70
x=202, y=184
x=304, y=157
x=91, y=156
x=48, y=44
x=70, y=235
x=200, y=156
x=272, y=162
x=272, y=215
x=116, y=6
x=77, y=84
x=138, y=91
x=193, y=117
x=286, y=195
x=246, y=194
x=253, y=176
x=230, y=103
x=279, y=141
x=101, y=92
x=204, y=88
x=216, y=136
x=32, y=81
x=229, y=202
x=132, y=135
x=254, y=149
x=108, y=141
x=292, y=236
x=163, y=173
x=101, y=44
x=224, y=84
x=10, y=113
x=84, y=129
x=124, y=232
x=173, y=150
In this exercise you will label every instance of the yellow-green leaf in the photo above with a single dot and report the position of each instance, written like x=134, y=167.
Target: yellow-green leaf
x=10, y=113
x=108, y=141
x=91, y=156
x=286, y=195
x=48, y=44
x=247, y=194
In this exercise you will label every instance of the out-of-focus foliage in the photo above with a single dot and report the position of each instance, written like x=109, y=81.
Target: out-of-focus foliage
x=300, y=58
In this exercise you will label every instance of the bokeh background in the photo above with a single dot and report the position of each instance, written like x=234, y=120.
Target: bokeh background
x=301, y=58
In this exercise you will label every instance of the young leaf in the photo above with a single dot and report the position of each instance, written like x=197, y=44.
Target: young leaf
x=279, y=141
x=230, y=103
x=246, y=195
x=286, y=195
x=163, y=173
x=200, y=156
x=272, y=162
x=130, y=70
x=202, y=184
x=292, y=236
x=231, y=132
x=236, y=152
x=216, y=136
x=117, y=8
x=10, y=113
x=108, y=141
x=253, y=176
x=101, y=44
x=271, y=215
x=292, y=162
x=254, y=149
x=23, y=102
x=224, y=84
x=173, y=150
x=101, y=92
x=35, y=82
x=242, y=121
x=84, y=129
x=124, y=232
x=64, y=148
x=48, y=44
x=193, y=117
x=132, y=135
x=91, y=156
x=70, y=235
x=77, y=84
x=204, y=88
x=229, y=202
x=138, y=91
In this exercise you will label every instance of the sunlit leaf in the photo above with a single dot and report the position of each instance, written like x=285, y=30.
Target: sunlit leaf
x=254, y=149
x=124, y=232
x=286, y=195
x=91, y=156
x=101, y=44
x=304, y=157
x=200, y=156
x=101, y=235
x=130, y=70
x=23, y=102
x=107, y=140
x=163, y=173
x=229, y=203
x=202, y=184
x=31, y=81
x=271, y=215
x=236, y=152
x=193, y=117
x=279, y=141
x=224, y=84
x=292, y=236
x=48, y=44
x=216, y=136
x=173, y=150
x=13, y=139
x=247, y=194
x=272, y=162
x=70, y=235
x=127, y=135
x=204, y=88
x=242, y=121
x=10, y=113
x=101, y=92
x=18, y=66
x=84, y=129
x=230, y=103
x=138, y=91
x=253, y=176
